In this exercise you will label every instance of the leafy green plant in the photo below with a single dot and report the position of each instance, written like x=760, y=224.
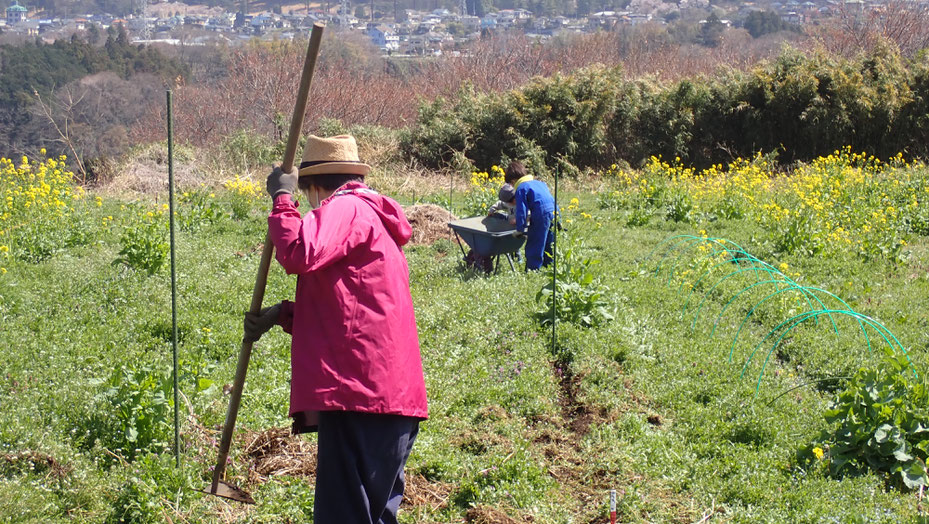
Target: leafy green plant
x=679, y=208
x=144, y=244
x=730, y=207
x=135, y=503
x=580, y=295
x=799, y=233
x=881, y=422
x=198, y=208
x=130, y=416
x=612, y=200
x=152, y=491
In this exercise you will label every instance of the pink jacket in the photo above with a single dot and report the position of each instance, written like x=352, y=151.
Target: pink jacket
x=355, y=346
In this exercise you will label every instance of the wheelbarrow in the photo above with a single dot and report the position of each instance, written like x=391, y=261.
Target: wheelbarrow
x=490, y=237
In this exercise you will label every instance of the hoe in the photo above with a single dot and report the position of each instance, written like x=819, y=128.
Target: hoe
x=219, y=487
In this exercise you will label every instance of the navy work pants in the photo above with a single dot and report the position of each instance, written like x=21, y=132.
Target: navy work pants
x=539, y=239
x=359, y=471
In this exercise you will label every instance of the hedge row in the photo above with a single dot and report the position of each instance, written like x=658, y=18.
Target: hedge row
x=801, y=105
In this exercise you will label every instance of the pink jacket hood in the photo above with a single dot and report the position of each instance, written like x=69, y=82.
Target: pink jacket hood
x=390, y=212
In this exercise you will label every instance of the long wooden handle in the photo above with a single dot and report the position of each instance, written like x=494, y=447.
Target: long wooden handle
x=267, y=253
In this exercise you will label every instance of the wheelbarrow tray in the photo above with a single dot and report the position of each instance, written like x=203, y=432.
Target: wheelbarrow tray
x=487, y=236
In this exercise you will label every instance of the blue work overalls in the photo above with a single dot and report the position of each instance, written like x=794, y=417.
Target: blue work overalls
x=533, y=197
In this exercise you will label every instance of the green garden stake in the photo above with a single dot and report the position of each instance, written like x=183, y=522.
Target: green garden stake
x=177, y=430
x=555, y=265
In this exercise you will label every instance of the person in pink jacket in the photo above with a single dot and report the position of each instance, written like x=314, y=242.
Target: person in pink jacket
x=356, y=370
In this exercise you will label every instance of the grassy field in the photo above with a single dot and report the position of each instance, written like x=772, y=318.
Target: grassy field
x=638, y=393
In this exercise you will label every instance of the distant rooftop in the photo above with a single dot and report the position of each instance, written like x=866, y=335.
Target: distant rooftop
x=16, y=7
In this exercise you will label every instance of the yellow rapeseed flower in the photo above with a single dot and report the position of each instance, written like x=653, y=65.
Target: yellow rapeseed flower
x=818, y=452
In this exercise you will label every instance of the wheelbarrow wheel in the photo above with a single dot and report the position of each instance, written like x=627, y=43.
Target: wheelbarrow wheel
x=479, y=262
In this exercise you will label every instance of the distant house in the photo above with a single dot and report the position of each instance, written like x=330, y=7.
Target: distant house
x=855, y=5
x=471, y=23
x=606, y=20
x=262, y=21
x=15, y=14
x=792, y=17
x=636, y=18
x=383, y=37
x=28, y=28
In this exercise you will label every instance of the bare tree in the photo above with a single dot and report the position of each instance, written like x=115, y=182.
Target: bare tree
x=59, y=112
x=857, y=29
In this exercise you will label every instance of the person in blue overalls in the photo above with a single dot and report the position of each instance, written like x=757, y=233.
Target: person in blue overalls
x=533, y=197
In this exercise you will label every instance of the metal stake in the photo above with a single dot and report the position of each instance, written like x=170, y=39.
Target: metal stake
x=555, y=264
x=177, y=430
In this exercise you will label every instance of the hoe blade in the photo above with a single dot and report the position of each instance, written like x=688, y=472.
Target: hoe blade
x=228, y=491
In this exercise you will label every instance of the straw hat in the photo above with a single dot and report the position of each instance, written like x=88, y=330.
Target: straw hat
x=337, y=155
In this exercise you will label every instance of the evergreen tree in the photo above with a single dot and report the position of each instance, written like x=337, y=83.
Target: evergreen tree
x=711, y=32
x=93, y=33
x=759, y=23
x=583, y=7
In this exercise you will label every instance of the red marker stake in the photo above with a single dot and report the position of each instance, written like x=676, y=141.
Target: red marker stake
x=612, y=506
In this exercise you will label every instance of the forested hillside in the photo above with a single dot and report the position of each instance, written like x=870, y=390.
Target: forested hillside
x=53, y=72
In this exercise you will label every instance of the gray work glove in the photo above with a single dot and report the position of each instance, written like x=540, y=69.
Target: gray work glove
x=257, y=325
x=280, y=182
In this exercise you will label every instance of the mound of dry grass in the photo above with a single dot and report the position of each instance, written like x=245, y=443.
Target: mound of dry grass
x=429, y=221
x=277, y=452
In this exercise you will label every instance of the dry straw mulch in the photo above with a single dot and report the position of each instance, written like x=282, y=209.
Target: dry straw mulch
x=429, y=221
x=423, y=492
x=277, y=452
